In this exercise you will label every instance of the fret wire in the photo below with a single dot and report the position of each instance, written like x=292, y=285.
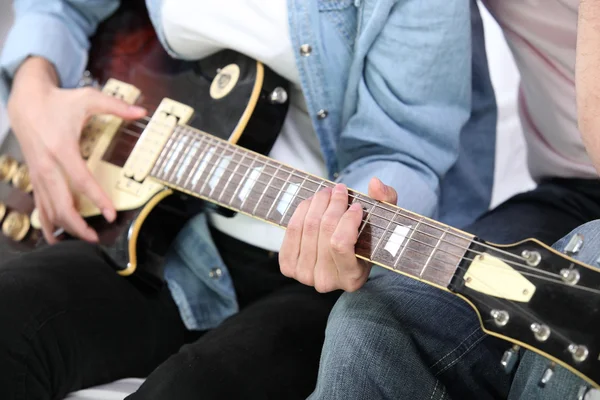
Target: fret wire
x=407, y=214
x=386, y=230
x=266, y=187
x=204, y=146
x=187, y=158
x=366, y=220
x=406, y=242
x=375, y=204
x=239, y=186
x=176, y=136
x=173, y=152
x=185, y=150
x=159, y=165
x=296, y=195
x=237, y=166
x=224, y=171
x=286, y=182
x=433, y=252
x=212, y=170
x=255, y=182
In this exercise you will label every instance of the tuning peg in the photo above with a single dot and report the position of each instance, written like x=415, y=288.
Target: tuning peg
x=21, y=179
x=8, y=167
x=547, y=375
x=16, y=226
x=509, y=358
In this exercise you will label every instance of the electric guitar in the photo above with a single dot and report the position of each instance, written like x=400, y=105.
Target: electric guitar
x=525, y=293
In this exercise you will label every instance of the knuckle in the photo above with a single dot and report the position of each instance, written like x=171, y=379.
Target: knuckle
x=324, y=286
x=353, y=283
x=286, y=265
x=312, y=225
x=328, y=224
x=81, y=182
x=338, y=244
x=305, y=276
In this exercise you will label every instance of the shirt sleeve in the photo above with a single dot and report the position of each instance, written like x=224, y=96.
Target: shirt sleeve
x=413, y=99
x=57, y=30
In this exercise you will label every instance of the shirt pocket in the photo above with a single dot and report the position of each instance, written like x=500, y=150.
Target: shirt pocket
x=342, y=15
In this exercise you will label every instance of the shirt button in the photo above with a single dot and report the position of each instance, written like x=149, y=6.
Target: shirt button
x=322, y=114
x=305, y=50
x=215, y=273
x=336, y=175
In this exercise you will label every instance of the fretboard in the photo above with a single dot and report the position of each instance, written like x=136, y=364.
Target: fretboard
x=247, y=182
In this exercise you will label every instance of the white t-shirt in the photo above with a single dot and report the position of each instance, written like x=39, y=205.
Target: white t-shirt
x=258, y=29
x=542, y=35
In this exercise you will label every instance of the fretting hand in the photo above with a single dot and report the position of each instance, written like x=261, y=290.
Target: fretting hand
x=318, y=247
x=47, y=122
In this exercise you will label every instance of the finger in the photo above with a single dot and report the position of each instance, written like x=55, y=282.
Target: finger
x=85, y=183
x=352, y=273
x=382, y=192
x=290, y=248
x=62, y=207
x=326, y=273
x=305, y=269
x=96, y=102
x=47, y=227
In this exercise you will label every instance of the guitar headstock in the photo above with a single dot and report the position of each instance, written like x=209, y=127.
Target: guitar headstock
x=538, y=298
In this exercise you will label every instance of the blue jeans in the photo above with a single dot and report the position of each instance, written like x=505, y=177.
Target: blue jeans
x=397, y=338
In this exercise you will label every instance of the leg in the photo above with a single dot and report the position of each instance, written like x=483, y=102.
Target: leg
x=69, y=321
x=564, y=385
x=270, y=349
x=398, y=338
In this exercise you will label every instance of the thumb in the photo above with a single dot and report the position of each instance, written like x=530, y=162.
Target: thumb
x=99, y=103
x=382, y=192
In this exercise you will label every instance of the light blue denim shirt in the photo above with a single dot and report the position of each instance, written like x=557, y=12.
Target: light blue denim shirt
x=389, y=87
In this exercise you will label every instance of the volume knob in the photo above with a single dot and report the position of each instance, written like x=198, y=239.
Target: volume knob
x=2, y=211
x=8, y=167
x=16, y=226
x=21, y=179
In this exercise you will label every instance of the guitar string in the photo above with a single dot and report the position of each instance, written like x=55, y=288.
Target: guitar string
x=415, y=240
x=410, y=228
x=403, y=213
x=388, y=231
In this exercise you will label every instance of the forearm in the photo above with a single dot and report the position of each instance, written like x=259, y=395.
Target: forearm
x=57, y=31
x=587, y=77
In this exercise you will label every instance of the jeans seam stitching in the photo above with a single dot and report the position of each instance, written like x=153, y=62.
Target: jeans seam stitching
x=461, y=356
x=434, y=389
x=456, y=348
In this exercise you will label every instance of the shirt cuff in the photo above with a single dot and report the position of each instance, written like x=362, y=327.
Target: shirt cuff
x=44, y=36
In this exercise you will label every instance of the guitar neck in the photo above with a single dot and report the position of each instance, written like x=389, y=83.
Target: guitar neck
x=202, y=165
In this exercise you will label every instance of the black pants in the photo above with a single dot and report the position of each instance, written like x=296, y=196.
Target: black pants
x=68, y=321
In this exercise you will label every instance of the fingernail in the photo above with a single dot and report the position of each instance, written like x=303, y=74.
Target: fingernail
x=109, y=214
x=383, y=186
x=340, y=188
x=356, y=207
